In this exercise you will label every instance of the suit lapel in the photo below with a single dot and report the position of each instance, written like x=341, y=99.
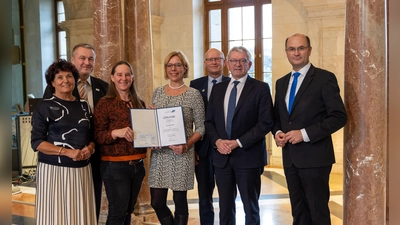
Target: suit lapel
x=306, y=82
x=248, y=86
x=204, y=89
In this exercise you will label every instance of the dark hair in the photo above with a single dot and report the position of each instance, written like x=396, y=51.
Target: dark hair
x=182, y=57
x=133, y=95
x=307, y=38
x=55, y=68
x=83, y=45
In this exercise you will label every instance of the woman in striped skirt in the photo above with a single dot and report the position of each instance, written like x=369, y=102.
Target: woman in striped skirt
x=62, y=134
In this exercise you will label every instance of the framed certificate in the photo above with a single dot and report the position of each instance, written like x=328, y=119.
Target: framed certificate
x=158, y=127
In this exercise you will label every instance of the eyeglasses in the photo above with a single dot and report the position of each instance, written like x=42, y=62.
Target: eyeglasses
x=299, y=49
x=241, y=61
x=176, y=65
x=213, y=59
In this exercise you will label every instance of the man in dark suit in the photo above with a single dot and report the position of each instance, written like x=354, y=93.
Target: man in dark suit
x=83, y=57
x=237, y=132
x=304, y=131
x=213, y=63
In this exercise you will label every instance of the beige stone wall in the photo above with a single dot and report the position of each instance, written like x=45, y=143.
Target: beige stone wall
x=181, y=30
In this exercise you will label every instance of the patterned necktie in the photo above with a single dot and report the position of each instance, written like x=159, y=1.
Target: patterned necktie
x=293, y=91
x=82, y=89
x=214, y=81
x=231, y=108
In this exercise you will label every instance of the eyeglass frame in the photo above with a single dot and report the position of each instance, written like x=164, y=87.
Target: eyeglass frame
x=176, y=65
x=242, y=61
x=298, y=49
x=216, y=59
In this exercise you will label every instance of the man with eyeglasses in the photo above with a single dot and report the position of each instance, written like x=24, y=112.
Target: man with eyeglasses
x=213, y=63
x=308, y=109
x=83, y=57
x=239, y=115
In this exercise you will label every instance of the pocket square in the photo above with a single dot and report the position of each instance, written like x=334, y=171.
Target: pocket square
x=97, y=89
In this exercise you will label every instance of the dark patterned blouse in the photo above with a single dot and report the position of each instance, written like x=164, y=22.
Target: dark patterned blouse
x=62, y=123
x=111, y=114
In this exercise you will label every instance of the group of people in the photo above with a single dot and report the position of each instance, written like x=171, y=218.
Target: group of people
x=82, y=132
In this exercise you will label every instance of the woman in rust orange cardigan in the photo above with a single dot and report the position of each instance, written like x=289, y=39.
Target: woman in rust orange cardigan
x=122, y=167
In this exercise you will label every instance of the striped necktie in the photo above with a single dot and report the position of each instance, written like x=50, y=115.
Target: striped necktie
x=82, y=89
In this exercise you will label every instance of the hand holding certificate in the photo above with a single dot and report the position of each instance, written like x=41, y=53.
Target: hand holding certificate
x=158, y=127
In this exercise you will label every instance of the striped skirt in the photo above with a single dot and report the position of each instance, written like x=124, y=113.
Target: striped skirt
x=64, y=195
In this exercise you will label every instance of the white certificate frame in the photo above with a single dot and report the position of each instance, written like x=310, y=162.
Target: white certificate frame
x=158, y=127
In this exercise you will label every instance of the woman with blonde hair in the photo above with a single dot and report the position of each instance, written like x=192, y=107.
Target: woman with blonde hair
x=172, y=167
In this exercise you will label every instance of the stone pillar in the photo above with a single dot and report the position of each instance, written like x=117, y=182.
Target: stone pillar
x=108, y=36
x=122, y=31
x=139, y=52
x=365, y=135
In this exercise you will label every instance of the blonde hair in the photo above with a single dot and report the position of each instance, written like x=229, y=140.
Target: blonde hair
x=183, y=59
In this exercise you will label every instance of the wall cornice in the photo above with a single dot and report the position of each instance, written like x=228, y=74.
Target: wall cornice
x=322, y=9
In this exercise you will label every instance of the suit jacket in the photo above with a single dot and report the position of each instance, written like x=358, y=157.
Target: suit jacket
x=319, y=109
x=202, y=146
x=253, y=119
x=99, y=89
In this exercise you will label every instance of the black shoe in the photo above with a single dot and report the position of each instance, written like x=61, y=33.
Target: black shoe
x=181, y=220
x=167, y=220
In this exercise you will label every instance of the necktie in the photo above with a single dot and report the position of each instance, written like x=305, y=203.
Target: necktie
x=293, y=91
x=231, y=108
x=210, y=88
x=82, y=90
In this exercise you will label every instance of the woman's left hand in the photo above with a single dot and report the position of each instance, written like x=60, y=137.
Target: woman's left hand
x=178, y=149
x=85, y=153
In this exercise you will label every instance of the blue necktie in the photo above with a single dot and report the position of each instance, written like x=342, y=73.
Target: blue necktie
x=293, y=91
x=210, y=88
x=231, y=108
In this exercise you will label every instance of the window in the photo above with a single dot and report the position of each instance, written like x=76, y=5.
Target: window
x=61, y=35
x=245, y=23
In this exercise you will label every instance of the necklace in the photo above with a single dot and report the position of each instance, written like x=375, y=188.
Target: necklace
x=175, y=88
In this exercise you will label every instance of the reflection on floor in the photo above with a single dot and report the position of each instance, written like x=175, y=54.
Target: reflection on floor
x=274, y=202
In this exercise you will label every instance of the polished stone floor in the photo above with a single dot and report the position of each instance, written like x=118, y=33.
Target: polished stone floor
x=274, y=202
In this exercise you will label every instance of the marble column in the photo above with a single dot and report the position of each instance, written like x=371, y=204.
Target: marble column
x=122, y=31
x=365, y=135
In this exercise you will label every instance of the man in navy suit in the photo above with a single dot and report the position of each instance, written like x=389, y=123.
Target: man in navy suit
x=83, y=57
x=304, y=132
x=238, y=136
x=213, y=63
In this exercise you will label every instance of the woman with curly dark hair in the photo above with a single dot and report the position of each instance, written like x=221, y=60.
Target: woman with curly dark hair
x=61, y=133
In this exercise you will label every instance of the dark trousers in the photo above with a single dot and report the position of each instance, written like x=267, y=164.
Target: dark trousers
x=248, y=181
x=309, y=194
x=122, y=183
x=205, y=186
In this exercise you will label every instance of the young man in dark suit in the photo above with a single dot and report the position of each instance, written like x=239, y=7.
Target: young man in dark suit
x=83, y=57
x=213, y=63
x=303, y=127
x=239, y=115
